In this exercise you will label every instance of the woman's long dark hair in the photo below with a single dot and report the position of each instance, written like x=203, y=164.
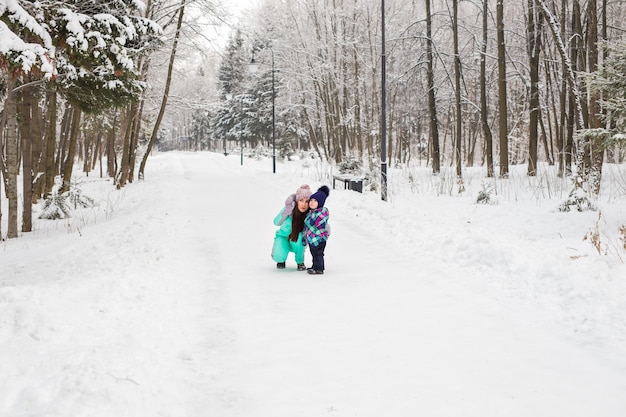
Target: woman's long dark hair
x=297, y=223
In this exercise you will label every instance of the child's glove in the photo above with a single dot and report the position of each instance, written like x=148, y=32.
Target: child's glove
x=290, y=204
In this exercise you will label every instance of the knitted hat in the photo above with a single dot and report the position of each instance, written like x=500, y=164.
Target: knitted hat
x=320, y=195
x=303, y=193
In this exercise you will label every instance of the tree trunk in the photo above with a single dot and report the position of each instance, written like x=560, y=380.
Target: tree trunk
x=582, y=178
x=574, y=51
x=457, y=94
x=25, y=123
x=534, y=49
x=3, y=167
x=122, y=175
x=168, y=81
x=12, y=158
x=544, y=140
x=97, y=151
x=110, y=151
x=502, y=102
x=596, y=146
x=38, y=148
x=135, y=138
x=129, y=146
x=2, y=176
x=483, y=92
x=563, y=168
x=66, y=127
x=358, y=128
x=432, y=103
x=68, y=164
x=88, y=142
x=570, y=68
x=50, y=146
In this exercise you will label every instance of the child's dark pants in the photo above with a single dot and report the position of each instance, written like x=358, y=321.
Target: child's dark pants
x=317, y=251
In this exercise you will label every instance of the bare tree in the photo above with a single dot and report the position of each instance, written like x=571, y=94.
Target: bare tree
x=596, y=147
x=457, y=95
x=432, y=102
x=484, y=111
x=502, y=93
x=534, y=50
x=159, y=119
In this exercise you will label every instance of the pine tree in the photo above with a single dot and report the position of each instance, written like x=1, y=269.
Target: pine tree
x=610, y=82
x=97, y=61
x=233, y=67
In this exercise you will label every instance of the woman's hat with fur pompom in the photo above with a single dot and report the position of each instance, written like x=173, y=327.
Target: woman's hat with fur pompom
x=320, y=195
x=303, y=193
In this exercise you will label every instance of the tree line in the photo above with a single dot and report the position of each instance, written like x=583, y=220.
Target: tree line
x=469, y=82
x=75, y=80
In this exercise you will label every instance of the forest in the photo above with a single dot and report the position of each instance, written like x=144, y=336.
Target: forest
x=361, y=84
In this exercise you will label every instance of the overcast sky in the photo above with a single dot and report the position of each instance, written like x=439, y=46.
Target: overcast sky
x=236, y=5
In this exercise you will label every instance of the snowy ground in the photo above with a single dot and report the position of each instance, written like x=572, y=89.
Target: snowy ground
x=163, y=301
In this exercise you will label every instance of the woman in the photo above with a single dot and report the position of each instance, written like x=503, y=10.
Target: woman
x=291, y=223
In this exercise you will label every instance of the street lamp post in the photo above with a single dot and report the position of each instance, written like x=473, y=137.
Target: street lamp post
x=383, y=150
x=253, y=67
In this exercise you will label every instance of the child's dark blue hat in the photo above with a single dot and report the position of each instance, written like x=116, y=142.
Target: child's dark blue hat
x=320, y=195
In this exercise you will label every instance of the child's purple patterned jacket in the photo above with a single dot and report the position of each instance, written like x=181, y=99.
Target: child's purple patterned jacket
x=316, y=227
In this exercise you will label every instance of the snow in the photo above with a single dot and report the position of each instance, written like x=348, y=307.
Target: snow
x=80, y=34
x=16, y=13
x=163, y=301
x=24, y=53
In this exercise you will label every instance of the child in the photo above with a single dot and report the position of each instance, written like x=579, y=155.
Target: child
x=317, y=229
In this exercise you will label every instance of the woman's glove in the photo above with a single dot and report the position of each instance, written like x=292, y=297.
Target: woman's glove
x=290, y=204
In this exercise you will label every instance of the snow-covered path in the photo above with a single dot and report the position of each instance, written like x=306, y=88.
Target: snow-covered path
x=172, y=307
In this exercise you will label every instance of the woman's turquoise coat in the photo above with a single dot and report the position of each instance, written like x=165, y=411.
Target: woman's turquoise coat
x=282, y=244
